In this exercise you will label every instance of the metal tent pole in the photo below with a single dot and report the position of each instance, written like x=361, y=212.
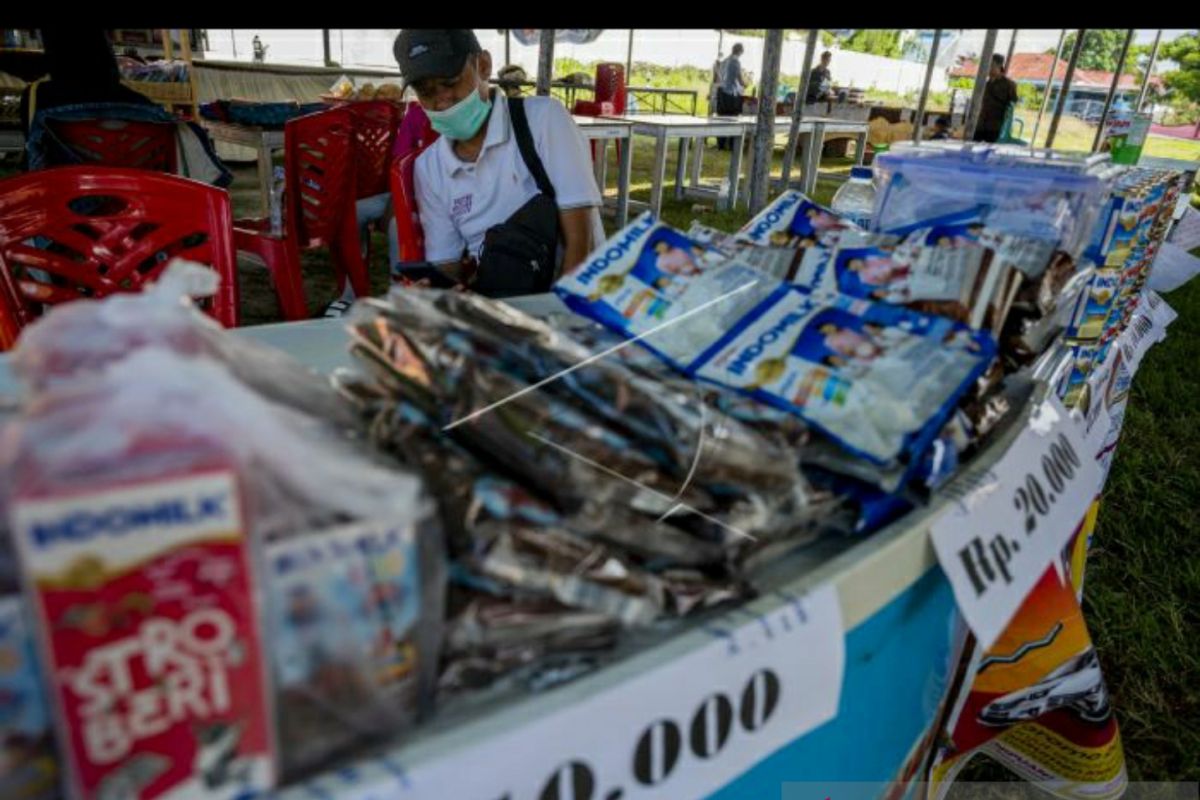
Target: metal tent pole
x=507, y=47
x=1112, y=90
x=1149, y=71
x=1012, y=46
x=789, y=154
x=629, y=62
x=1066, y=87
x=716, y=87
x=233, y=41
x=920, y=121
x=545, y=61
x=1062, y=37
x=325, y=45
x=764, y=127
x=981, y=77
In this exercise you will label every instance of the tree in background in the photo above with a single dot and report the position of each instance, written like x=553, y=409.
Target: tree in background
x=876, y=41
x=1184, y=83
x=1101, y=48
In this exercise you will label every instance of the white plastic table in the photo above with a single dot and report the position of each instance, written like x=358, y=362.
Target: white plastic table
x=664, y=127
x=812, y=134
x=602, y=130
x=896, y=609
x=262, y=140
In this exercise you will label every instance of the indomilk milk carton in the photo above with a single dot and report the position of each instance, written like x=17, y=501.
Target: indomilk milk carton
x=150, y=637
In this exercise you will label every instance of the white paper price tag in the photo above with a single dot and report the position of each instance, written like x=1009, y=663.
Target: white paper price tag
x=683, y=729
x=997, y=543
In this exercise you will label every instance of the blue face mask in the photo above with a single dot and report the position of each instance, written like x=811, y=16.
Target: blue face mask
x=463, y=119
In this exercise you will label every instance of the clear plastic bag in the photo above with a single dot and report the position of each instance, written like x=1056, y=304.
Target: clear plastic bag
x=155, y=416
x=1023, y=196
x=468, y=363
x=77, y=339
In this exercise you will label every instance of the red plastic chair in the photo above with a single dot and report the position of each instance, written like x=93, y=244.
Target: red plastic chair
x=610, y=85
x=121, y=143
x=100, y=230
x=375, y=124
x=409, y=234
x=319, y=195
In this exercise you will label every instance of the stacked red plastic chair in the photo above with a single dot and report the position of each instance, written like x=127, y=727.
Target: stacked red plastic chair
x=319, y=196
x=375, y=124
x=610, y=86
x=69, y=233
x=404, y=200
x=609, y=97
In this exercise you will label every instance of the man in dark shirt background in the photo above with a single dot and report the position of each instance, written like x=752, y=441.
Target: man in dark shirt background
x=730, y=89
x=998, y=94
x=820, y=82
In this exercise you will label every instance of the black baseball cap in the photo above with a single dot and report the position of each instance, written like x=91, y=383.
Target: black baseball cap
x=427, y=53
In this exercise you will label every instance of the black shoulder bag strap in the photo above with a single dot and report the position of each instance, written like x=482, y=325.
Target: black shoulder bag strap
x=520, y=124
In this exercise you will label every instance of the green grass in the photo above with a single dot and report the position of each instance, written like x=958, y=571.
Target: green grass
x=1169, y=147
x=1075, y=134
x=1142, y=591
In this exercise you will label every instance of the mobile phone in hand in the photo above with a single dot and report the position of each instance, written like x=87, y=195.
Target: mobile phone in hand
x=415, y=273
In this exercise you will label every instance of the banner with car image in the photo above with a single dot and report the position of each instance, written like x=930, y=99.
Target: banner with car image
x=1037, y=701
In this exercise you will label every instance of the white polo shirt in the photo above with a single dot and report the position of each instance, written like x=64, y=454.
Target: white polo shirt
x=459, y=200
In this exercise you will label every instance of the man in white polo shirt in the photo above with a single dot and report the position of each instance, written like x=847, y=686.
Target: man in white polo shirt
x=476, y=190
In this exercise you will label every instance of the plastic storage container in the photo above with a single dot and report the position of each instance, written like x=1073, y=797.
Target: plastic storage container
x=856, y=197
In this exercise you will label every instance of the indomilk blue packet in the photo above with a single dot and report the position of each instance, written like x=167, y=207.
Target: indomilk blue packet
x=649, y=280
x=879, y=380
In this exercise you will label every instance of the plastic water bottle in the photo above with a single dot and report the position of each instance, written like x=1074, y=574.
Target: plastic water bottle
x=855, y=200
x=277, y=202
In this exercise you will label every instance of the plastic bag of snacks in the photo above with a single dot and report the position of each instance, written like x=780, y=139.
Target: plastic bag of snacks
x=343, y=88
x=79, y=339
x=158, y=503
x=468, y=362
x=496, y=637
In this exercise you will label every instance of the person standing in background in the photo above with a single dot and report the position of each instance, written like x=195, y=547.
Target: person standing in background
x=999, y=93
x=730, y=90
x=941, y=129
x=260, y=50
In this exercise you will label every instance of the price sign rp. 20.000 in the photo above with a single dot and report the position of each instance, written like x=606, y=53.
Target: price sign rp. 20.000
x=997, y=543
